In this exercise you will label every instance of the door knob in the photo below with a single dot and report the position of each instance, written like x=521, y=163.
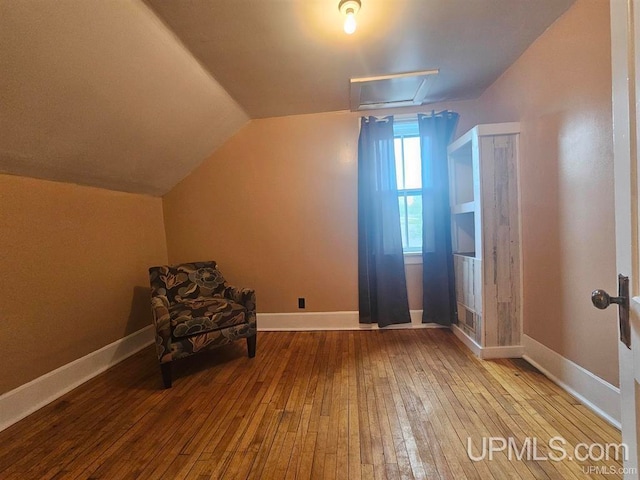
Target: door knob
x=602, y=299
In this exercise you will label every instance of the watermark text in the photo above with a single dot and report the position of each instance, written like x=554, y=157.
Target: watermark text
x=556, y=449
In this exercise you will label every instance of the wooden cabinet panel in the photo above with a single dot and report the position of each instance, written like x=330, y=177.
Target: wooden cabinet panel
x=487, y=280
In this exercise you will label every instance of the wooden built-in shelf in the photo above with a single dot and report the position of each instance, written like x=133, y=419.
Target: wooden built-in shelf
x=467, y=207
x=483, y=196
x=465, y=254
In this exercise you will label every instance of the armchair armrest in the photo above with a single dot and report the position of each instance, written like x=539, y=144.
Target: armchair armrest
x=243, y=296
x=162, y=323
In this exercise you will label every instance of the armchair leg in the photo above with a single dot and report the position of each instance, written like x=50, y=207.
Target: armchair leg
x=251, y=345
x=165, y=368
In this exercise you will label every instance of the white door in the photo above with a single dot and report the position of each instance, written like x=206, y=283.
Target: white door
x=625, y=50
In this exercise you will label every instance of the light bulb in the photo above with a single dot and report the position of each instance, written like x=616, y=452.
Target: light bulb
x=350, y=22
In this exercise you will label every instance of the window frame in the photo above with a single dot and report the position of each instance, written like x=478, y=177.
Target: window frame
x=411, y=255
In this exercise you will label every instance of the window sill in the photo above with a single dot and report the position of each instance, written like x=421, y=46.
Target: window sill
x=413, y=258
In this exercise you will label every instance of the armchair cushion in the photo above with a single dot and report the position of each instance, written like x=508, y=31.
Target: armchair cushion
x=204, y=314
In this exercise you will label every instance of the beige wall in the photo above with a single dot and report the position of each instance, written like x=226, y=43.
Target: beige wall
x=276, y=205
x=560, y=91
x=73, y=271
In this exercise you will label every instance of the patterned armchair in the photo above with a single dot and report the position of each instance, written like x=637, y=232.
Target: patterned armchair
x=195, y=310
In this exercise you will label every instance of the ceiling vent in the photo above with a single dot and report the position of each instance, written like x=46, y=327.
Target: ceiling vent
x=389, y=91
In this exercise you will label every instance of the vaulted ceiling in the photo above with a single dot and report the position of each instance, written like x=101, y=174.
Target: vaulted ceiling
x=133, y=96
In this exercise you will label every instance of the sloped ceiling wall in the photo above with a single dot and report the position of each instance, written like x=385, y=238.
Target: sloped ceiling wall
x=103, y=93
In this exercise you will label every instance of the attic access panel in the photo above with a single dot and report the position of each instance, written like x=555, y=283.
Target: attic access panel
x=386, y=91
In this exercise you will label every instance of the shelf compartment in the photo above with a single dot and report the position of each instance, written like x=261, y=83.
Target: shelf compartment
x=468, y=207
x=463, y=232
x=461, y=173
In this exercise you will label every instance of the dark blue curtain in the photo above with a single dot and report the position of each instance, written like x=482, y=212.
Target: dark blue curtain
x=381, y=278
x=438, y=299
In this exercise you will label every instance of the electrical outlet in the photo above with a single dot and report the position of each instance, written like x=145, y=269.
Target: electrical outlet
x=301, y=302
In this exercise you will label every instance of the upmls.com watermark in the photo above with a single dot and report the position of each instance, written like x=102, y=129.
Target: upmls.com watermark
x=557, y=448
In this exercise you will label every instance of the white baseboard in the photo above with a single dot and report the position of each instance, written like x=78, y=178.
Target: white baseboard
x=310, y=321
x=469, y=342
x=487, y=353
x=513, y=351
x=26, y=399
x=597, y=394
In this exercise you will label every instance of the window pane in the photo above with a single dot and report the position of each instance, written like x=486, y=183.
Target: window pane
x=403, y=220
x=412, y=162
x=414, y=220
x=397, y=144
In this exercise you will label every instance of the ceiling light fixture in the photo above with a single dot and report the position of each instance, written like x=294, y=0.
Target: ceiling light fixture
x=349, y=8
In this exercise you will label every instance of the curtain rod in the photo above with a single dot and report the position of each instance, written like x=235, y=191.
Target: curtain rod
x=412, y=116
x=438, y=114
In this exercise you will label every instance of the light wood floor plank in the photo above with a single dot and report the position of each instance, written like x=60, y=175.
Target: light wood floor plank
x=389, y=404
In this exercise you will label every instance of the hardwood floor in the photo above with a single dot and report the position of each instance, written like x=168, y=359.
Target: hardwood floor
x=322, y=405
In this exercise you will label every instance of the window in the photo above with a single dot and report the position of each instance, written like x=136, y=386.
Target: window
x=409, y=178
